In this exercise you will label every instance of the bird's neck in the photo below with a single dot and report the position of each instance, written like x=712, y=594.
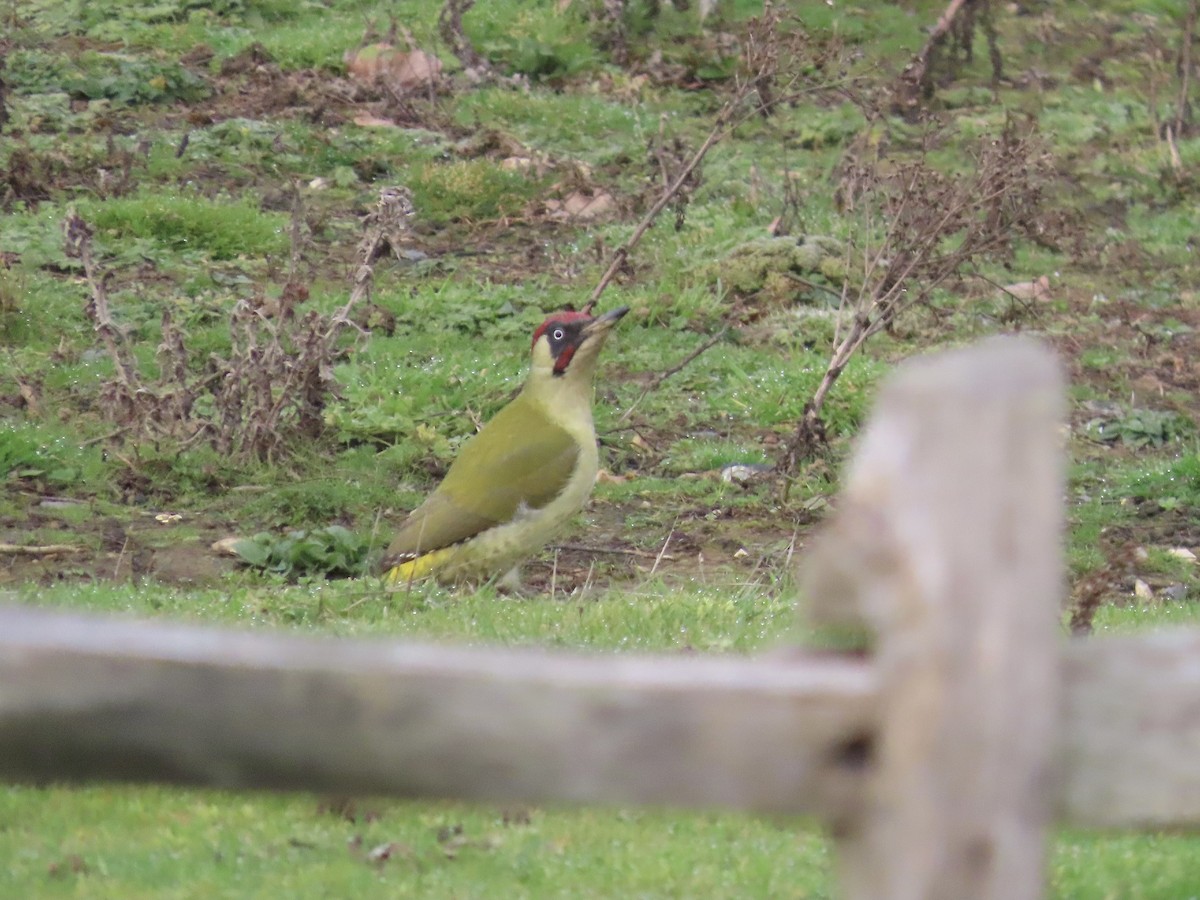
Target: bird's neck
x=564, y=399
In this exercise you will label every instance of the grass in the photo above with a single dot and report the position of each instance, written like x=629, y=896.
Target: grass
x=106, y=841
x=222, y=229
x=196, y=225
x=436, y=849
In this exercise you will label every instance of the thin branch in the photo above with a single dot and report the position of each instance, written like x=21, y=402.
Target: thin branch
x=104, y=437
x=663, y=551
x=1185, y=68
x=922, y=209
x=39, y=549
x=612, y=551
x=726, y=121
x=79, y=245
x=792, y=276
x=622, y=253
x=915, y=75
x=658, y=379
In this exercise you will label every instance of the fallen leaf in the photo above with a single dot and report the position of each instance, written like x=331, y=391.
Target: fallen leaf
x=366, y=120
x=402, y=70
x=416, y=69
x=226, y=546
x=582, y=206
x=1038, y=289
x=1182, y=553
x=1142, y=590
x=366, y=63
x=31, y=394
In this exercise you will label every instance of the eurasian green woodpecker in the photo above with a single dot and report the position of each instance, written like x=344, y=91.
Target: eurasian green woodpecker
x=526, y=472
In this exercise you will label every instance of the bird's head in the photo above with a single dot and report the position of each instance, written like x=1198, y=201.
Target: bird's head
x=565, y=346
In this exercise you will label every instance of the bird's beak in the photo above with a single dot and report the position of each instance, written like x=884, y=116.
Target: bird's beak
x=605, y=323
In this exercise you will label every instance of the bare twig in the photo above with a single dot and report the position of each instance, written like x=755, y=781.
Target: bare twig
x=726, y=122
x=277, y=379
x=763, y=56
x=1173, y=148
x=719, y=130
x=1183, y=108
x=39, y=549
x=387, y=229
x=4, y=116
x=662, y=376
x=127, y=386
x=104, y=437
x=933, y=226
x=792, y=276
x=450, y=29
x=959, y=18
x=296, y=234
x=663, y=550
x=613, y=551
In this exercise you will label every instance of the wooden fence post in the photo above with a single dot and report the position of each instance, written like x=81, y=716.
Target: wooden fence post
x=946, y=547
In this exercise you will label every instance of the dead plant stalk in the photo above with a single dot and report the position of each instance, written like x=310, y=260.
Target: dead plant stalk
x=923, y=211
x=764, y=53
x=272, y=388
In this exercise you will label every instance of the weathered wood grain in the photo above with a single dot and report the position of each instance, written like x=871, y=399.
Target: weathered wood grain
x=946, y=546
x=1131, y=731
x=87, y=698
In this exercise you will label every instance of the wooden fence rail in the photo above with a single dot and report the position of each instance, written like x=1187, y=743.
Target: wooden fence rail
x=940, y=755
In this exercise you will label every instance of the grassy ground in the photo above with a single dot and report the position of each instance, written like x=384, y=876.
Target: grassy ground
x=223, y=156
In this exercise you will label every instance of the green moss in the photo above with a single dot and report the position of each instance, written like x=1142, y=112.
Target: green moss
x=222, y=229
x=764, y=264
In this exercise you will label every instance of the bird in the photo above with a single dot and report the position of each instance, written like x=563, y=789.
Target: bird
x=518, y=480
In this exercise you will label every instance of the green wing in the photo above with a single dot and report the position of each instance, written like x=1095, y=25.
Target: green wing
x=520, y=457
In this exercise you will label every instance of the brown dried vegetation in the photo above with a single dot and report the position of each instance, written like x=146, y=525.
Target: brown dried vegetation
x=272, y=388
x=919, y=226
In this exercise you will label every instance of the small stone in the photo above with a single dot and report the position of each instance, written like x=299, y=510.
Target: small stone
x=743, y=473
x=59, y=503
x=1174, y=593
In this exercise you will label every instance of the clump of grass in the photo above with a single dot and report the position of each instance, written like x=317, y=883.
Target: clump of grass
x=13, y=288
x=471, y=190
x=1173, y=485
x=222, y=229
x=47, y=456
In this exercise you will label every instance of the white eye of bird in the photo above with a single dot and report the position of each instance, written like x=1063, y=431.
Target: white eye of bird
x=559, y=334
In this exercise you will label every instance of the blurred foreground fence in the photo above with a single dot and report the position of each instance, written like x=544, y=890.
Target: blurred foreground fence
x=939, y=756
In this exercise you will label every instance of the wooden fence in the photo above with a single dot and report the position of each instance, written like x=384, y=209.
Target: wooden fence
x=939, y=753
